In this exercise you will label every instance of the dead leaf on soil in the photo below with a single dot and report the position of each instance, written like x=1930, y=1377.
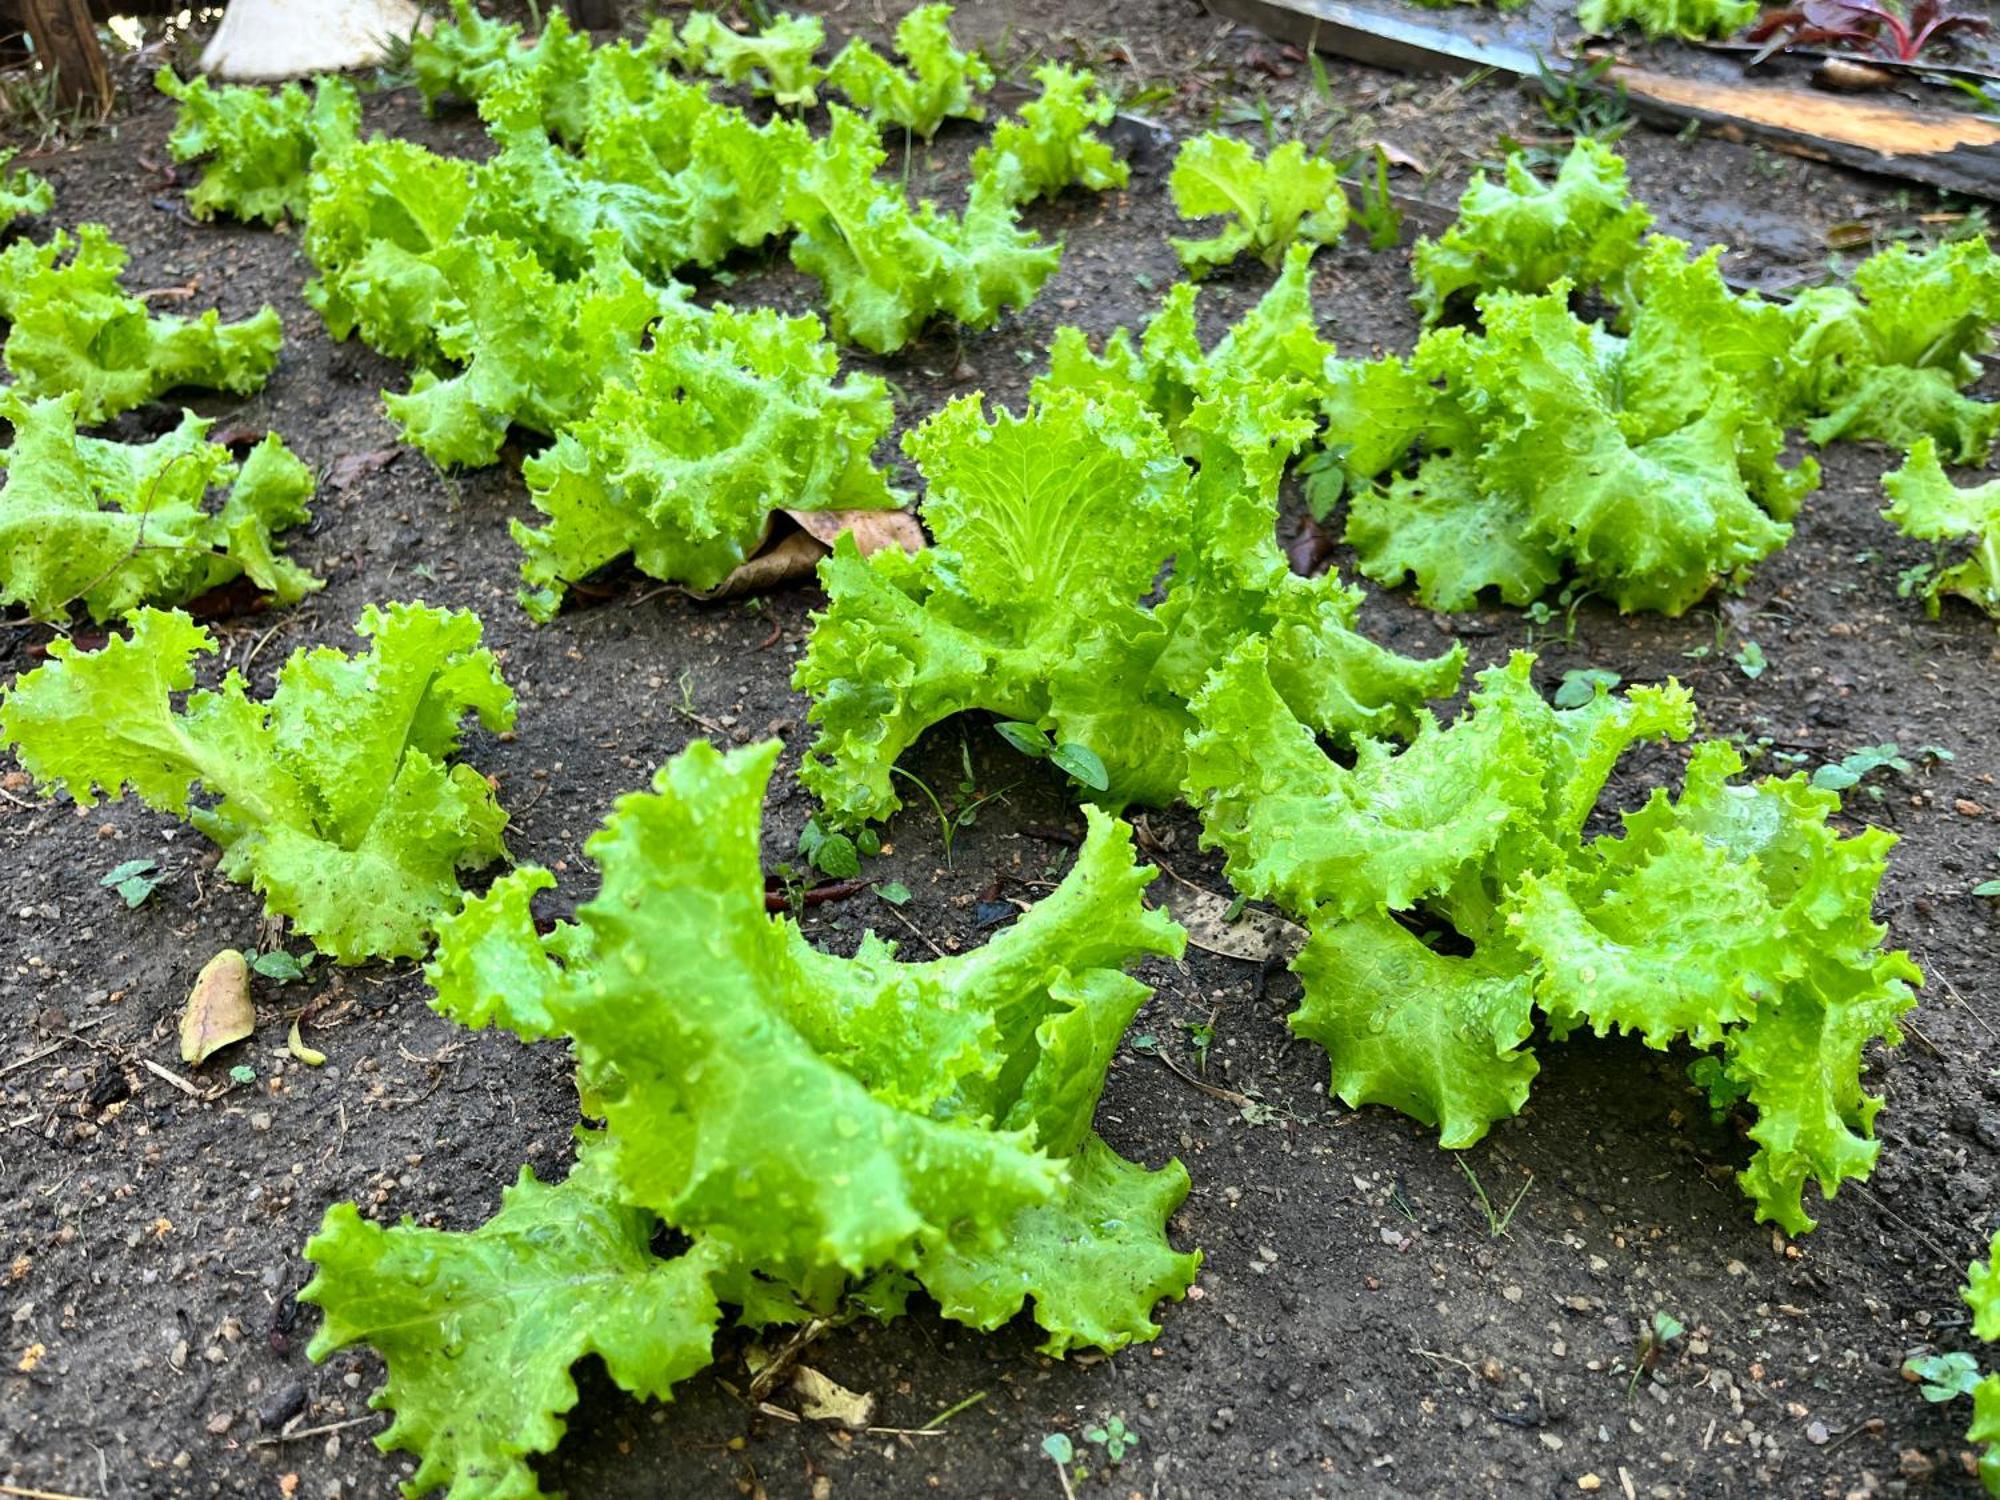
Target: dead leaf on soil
x=1396, y=156
x=1255, y=936
x=824, y=1400
x=872, y=530
x=219, y=1010
x=350, y=467
x=791, y=561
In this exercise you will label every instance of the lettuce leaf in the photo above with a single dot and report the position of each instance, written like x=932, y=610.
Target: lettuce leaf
x=1052, y=141
x=1271, y=203
x=1982, y=1294
x=1888, y=360
x=935, y=1124
x=117, y=525
x=941, y=82
x=1521, y=235
x=334, y=799
x=375, y=214
x=777, y=61
x=888, y=270
x=471, y=57
x=1276, y=345
x=23, y=195
x=684, y=454
x=258, y=148
x=1646, y=467
x=536, y=350
x=1926, y=505
x=76, y=329
x=1694, y=20
x=1051, y=529
x=1732, y=917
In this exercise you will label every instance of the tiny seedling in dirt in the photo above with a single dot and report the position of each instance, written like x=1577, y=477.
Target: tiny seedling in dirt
x=894, y=892
x=1659, y=1333
x=830, y=853
x=951, y=824
x=281, y=966
x=1943, y=1377
x=1375, y=206
x=1849, y=771
x=1114, y=1437
x=1750, y=661
x=135, y=880
x=1201, y=1036
x=1497, y=1221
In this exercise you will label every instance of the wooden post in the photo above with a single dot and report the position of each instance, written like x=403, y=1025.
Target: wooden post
x=66, y=41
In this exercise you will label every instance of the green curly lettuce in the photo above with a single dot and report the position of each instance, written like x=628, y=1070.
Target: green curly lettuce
x=76, y=329
x=940, y=82
x=1731, y=917
x=803, y=1122
x=470, y=56
x=257, y=148
x=1522, y=235
x=374, y=215
x=23, y=195
x=1692, y=20
x=887, y=270
x=117, y=525
x=1051, y=529
x=1646, y=467
x=682, y=457
x=1981, y=1293
x=334, y=799
x=1275, y=346
x=1889, y=360
x=777, y=61
x=1052, y=140
x=1285, y=197
x=717, y=179
x=1925, y=504
x=536, y=350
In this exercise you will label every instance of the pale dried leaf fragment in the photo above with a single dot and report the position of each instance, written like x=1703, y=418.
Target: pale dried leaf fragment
x=1254, y=936
x=312, y=1057
x=219, y=1009
x=872, y=530
x=825, y=1400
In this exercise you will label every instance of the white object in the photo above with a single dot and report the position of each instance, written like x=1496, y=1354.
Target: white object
x=264, y=40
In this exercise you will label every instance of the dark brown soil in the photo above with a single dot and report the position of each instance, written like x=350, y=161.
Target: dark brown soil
x=1357, y=1328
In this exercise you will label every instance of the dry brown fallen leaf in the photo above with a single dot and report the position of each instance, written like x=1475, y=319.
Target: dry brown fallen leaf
x=1255, y=936
x=796, y=554
x=824, y=1400
x=219, y=1010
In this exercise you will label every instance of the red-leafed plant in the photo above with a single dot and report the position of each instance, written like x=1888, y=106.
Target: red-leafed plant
x=1866, y=25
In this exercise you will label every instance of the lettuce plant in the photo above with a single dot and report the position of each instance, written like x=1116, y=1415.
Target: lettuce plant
x=1647, y=467
x=1286, y=196
x=824, y=1135
x=1691, y=20
x=939, y=82
x=1928, y=506
x=1051, y=530
x=469, y=56
x=777, y=61
x=1053, y=140
x=335, y=798
x=681, y=458
x=886, y=269
x=1731, y=917
x=1275, y=346
x=23, y=195
x=257, y=148
x=117, y=525
x=76, y=330
x=1522, y=235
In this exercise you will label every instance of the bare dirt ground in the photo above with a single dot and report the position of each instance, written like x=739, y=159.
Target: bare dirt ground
x=1358, y=1327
